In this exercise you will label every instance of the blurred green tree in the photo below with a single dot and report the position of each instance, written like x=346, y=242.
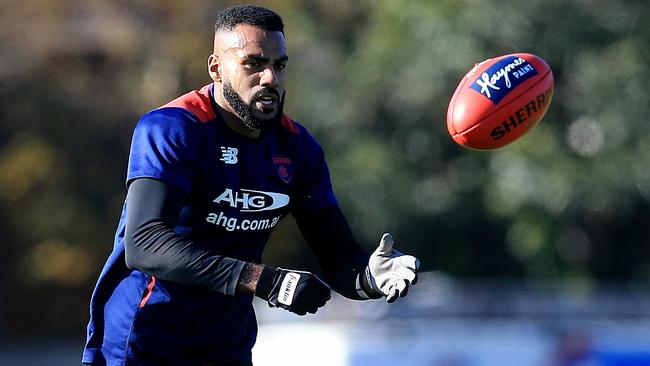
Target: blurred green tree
x=371, y=79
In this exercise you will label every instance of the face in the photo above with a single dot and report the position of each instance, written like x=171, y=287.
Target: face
x=248, y=64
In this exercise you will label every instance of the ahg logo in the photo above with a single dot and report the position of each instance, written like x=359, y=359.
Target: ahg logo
x=495, y=82
x=248, y=200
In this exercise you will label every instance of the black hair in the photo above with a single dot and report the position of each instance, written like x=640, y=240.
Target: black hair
x=258, y=16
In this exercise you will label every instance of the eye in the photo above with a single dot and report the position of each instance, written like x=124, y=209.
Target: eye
x=280, y=65
x=252, y=63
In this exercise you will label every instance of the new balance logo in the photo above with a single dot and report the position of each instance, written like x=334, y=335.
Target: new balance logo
x=229, y=155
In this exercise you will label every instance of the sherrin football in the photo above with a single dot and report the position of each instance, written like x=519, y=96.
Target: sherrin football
x=499, y=100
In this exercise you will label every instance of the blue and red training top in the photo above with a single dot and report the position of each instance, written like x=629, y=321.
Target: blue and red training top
x=237, y=190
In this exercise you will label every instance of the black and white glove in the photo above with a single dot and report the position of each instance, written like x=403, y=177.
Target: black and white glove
x=297, y=291
x=390, y=273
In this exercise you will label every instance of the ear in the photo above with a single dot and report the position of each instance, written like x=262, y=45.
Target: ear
x=213, y=68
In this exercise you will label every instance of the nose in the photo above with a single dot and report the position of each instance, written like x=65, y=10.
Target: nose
x=269, y=78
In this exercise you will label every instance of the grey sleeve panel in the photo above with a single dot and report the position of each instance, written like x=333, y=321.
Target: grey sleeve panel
x=152, y=246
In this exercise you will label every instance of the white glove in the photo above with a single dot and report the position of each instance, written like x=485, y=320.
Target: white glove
x=389, y=272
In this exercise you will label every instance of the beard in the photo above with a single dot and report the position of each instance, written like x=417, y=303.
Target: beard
x=245, y=111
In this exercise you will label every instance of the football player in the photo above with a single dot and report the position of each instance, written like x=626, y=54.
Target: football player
x=210, y=175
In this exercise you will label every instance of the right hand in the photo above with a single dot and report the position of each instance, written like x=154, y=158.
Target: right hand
x=297, y=291
x=389, y=272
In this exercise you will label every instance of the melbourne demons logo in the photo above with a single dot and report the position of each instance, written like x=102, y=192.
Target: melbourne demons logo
x=283, y=167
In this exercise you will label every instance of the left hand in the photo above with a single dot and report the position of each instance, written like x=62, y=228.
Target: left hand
x=389, y=272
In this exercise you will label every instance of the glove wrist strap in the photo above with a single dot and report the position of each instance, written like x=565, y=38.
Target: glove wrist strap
x=265, y=282
x=364, y=286
x=359, y=288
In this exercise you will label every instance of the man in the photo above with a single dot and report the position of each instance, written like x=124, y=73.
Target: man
x=210, y=175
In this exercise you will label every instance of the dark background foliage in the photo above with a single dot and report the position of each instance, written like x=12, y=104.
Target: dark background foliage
x=371, y=80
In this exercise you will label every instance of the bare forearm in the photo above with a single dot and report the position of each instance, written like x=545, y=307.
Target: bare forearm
x=249, y=277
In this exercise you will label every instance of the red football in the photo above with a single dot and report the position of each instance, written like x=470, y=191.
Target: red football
x=499, y=100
